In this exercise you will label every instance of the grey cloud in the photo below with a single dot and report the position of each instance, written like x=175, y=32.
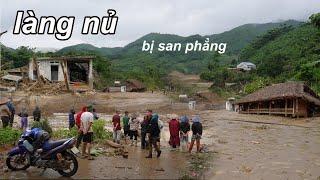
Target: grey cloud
x=140, y=17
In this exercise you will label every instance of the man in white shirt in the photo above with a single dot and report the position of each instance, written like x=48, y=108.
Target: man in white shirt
x=86, y=126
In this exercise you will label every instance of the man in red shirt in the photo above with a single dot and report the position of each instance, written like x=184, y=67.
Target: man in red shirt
x=116, y=127
x=78, y=123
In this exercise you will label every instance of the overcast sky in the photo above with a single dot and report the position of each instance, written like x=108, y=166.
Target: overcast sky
x=137, y=18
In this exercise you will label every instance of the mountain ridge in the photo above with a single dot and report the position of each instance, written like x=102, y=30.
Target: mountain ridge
x=251, y=30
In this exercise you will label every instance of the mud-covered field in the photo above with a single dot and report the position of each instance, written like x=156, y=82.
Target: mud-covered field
x=240, y=146
x=285, y=149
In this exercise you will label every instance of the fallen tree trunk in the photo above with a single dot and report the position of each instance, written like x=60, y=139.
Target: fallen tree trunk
x=113, y=144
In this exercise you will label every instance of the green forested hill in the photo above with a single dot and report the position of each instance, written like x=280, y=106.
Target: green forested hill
x=104, y=51
x=130, y=56
x=241, y=36
x=294, y=55
x=250, y=41
x=282, y=54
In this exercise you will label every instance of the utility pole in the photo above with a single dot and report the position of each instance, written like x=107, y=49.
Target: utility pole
x=0, y=56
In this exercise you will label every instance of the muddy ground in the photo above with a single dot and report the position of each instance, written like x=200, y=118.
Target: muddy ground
x=103, y=102
x=169, y=165
x=240, y=146
x=286, y=149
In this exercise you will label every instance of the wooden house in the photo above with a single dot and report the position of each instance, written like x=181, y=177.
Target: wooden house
x=134, y=85
x=290, y=99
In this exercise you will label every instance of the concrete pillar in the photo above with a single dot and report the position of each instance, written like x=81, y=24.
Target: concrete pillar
x=90, y=78
x=297, y=109
x=293, y=107
x=269, y=107
x=31, y=69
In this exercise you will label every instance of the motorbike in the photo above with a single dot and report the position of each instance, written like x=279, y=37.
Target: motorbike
x=36, y=149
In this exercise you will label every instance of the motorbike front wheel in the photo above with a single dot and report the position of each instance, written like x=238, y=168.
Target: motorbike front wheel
x=72, y=163
x=17, y=162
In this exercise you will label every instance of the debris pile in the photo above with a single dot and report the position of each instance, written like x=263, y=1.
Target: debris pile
x=119, y=150
x=44, y=86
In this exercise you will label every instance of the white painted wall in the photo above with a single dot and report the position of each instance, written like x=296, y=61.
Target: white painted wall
x=45, y=69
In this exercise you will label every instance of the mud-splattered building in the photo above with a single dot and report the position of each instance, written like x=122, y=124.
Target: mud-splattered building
x=290, y=99
x=69, y=69
x=134, y=85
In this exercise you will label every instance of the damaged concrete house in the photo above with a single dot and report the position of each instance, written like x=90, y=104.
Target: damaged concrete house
x=71, y=70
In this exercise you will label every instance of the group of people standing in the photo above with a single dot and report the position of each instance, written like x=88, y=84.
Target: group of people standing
x=8, y=110
x=151, y=127
x=179, y=132
x=150, y=130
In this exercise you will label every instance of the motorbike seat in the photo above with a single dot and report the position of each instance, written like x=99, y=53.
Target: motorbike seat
x=53, y=144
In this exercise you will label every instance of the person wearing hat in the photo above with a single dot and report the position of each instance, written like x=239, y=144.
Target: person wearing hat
x=174, y=127
x=153, y=132
x=196, y=132
x=184, y=131
x=4, y=112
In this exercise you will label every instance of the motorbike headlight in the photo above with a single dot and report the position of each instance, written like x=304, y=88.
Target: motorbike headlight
x=28, y=146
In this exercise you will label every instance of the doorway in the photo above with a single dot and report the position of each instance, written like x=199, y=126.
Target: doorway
x=54, y=72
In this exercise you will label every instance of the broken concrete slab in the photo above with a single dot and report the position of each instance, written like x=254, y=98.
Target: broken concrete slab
x=10, y=77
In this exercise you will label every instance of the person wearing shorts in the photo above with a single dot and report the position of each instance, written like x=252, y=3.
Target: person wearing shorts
x=196, y=133
x=184, y=131
x=88, y=138
x=134, y=126
x=86, y=126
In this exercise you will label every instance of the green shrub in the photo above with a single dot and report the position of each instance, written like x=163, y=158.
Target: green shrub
x=99, y=133
x=43, y=124
x=98, y=129
x=65, y=133
x=256, y=84
x=9, y=136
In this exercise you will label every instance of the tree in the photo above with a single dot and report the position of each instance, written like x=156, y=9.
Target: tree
x=315, y=20
x=273, y=65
